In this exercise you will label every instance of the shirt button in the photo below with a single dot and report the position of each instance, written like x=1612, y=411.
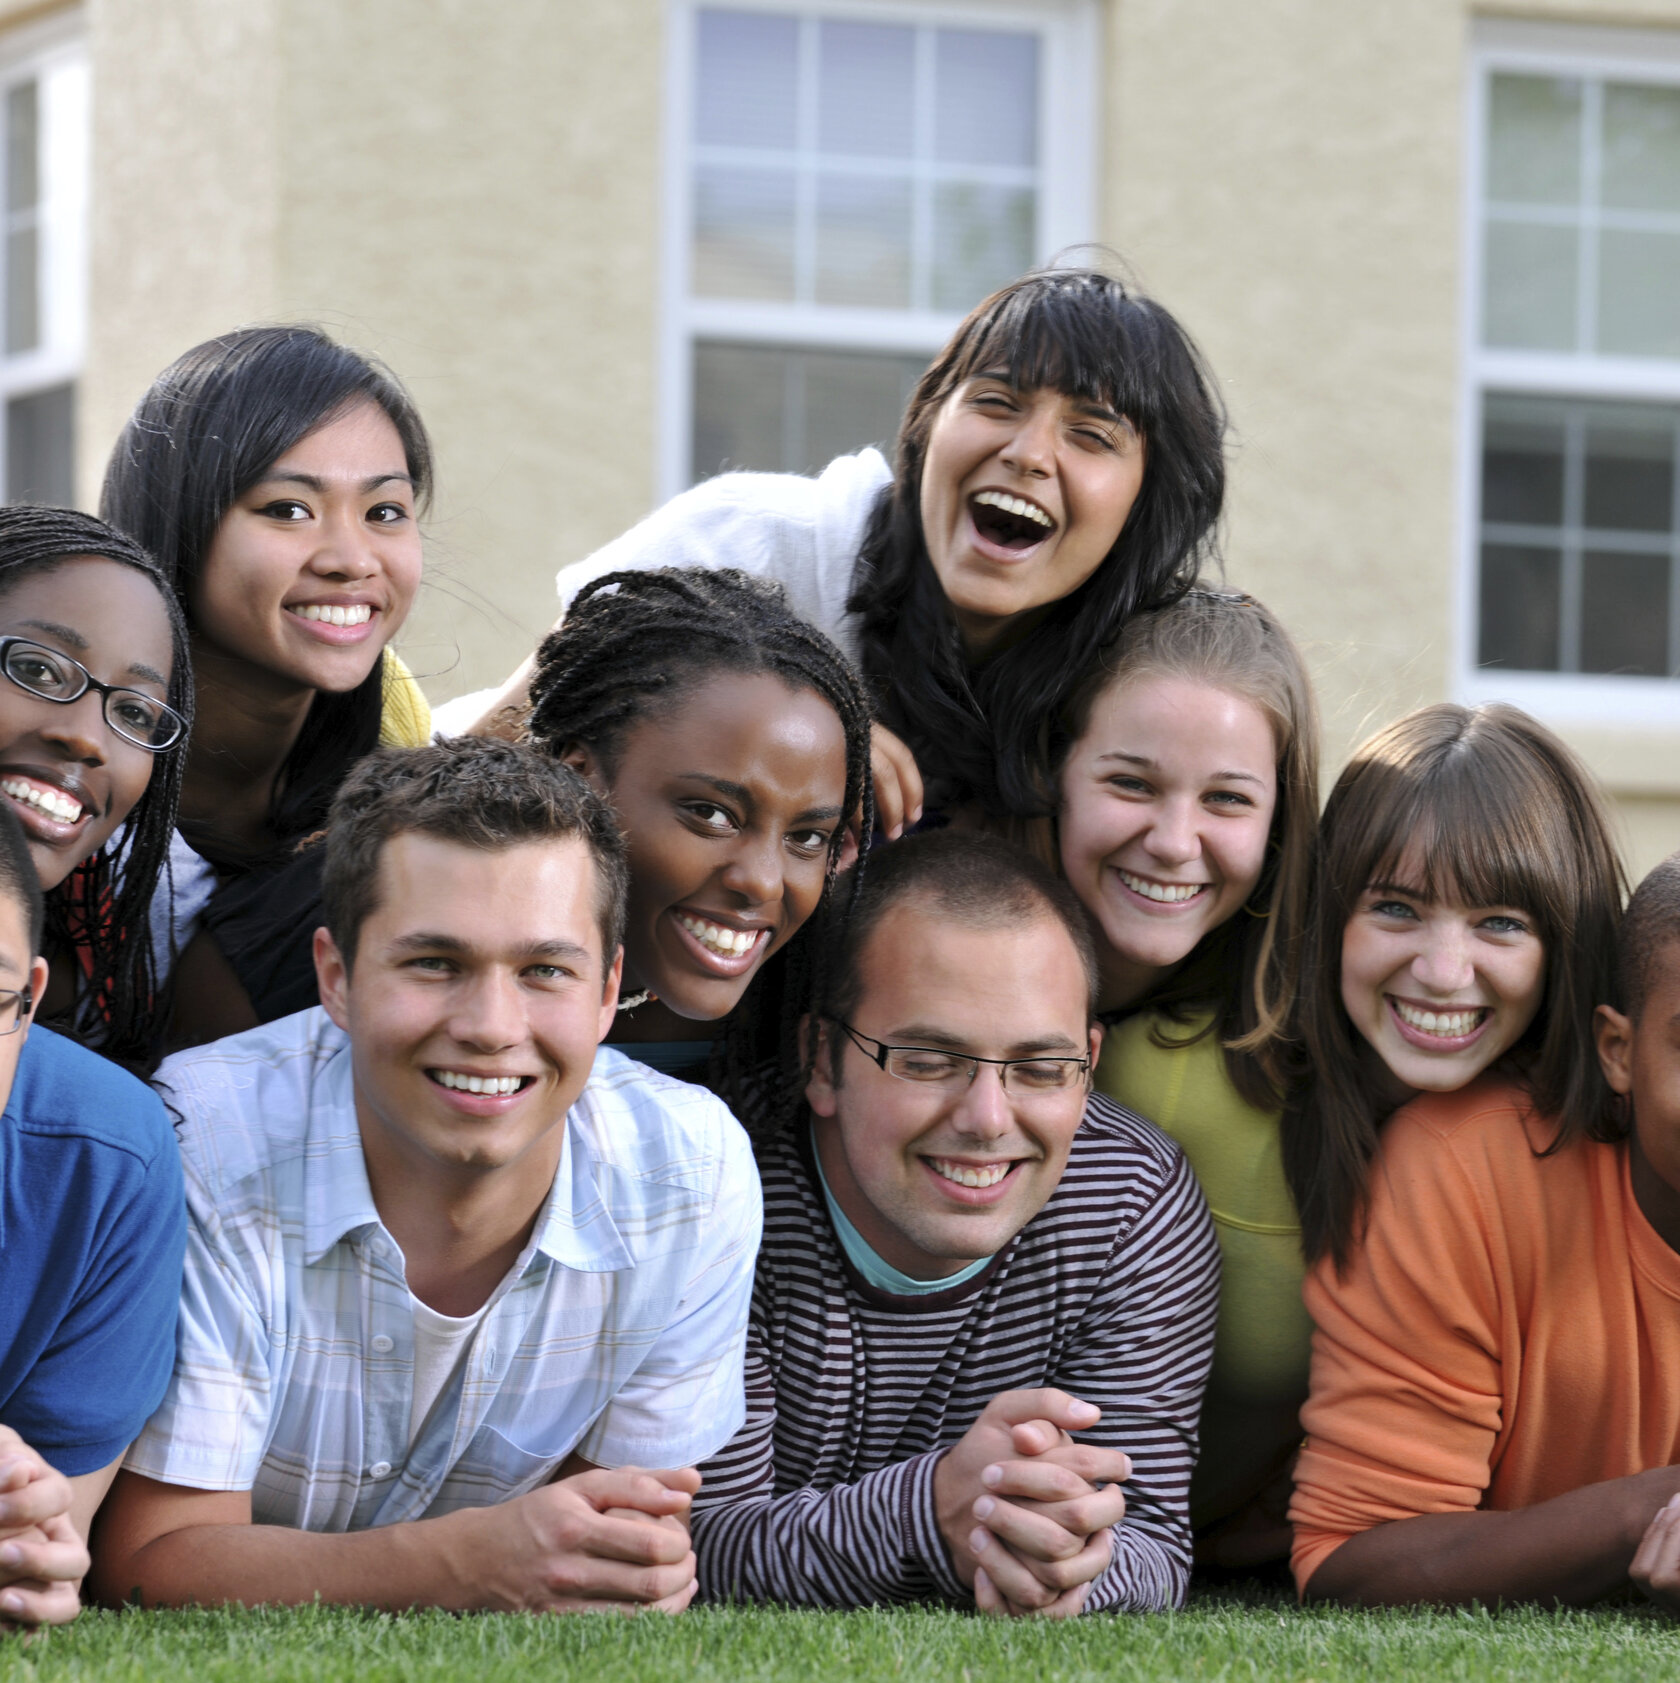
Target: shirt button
x=381, y=1344
x=380, y=1469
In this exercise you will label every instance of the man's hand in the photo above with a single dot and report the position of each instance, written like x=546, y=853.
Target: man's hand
x=1656, y=1565
x=42, y=1557
x=602, y=1541
x=1024, y=1509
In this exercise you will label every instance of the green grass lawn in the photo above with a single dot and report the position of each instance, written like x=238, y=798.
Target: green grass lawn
x=1217, y=1637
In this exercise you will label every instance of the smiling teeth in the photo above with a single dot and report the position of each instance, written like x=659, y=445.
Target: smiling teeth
x=1168, y=893
x=1449, y=1025
x=965, y=1174
x=360, y=614
x=1015, y=505
x=52, y=802
x=498, y=1086
x=726, y=943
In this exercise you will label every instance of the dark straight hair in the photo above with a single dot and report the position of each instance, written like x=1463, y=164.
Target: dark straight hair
x=977, y=728
x=1484, y=805
x=101, y=911
x=207, y=430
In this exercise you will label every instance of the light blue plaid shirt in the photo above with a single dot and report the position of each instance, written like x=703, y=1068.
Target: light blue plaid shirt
x=618, y=1333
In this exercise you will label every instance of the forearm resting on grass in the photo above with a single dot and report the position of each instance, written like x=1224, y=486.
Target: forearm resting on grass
x=1573, y=1549
x=597, y=1540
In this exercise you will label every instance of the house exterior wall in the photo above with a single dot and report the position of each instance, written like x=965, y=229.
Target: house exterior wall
x=475, y=194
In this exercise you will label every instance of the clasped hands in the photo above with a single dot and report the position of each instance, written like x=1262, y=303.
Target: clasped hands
x=42, y=1557
x=1025, y=1510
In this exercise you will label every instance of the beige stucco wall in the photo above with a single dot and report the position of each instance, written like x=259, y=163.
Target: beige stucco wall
x=473, y=192
x=1288, y=178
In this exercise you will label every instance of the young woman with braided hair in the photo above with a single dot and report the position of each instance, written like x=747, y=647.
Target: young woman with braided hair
x=732, y=740
x=95, y=708
x=1059, y=467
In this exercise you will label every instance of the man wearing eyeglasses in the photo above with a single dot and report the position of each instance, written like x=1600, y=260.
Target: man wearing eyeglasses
x=984, y=1306
x=92, y=1229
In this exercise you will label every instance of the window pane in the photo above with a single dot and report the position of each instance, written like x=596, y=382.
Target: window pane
x=1519, y=608
x=23, y=292
x=1630, y=477
x=1641, y=148
x=743, y=233
x=986, y=100
x=40, y=447
x=866, y=76
x=982, y=237
x=1534, y=148
x=1624, y=614
x=851, y=401
x=747, y=80
x=1530, y=281
x=791, y=410
x=1639, y=293
x=863, y=241
x=738, y=408
x=23, y=135
x=1522, y=465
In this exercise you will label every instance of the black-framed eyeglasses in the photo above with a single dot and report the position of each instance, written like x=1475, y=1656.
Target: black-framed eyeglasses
x=930, y=1066
x=15, y=1006
x=135, y=716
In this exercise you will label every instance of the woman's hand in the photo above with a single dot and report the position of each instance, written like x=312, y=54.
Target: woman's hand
x=1656, y=1567
x=898, y=784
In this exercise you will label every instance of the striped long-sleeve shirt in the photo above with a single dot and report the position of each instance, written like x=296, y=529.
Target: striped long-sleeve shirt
x=825, y=1496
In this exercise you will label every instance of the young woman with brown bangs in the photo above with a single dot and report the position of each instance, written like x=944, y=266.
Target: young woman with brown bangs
x=1059, y=466
x=1460, y=1168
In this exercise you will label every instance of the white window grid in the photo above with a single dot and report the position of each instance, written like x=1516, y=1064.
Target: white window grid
x=1595, y=56
x=1069, y=33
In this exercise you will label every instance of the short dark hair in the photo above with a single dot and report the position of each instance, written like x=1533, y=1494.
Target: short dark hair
x=477, y=793
x=1650, y=928
x=973, y=879
x=19, y=880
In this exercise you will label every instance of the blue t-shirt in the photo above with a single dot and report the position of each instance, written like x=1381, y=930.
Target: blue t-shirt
x=92, y=1231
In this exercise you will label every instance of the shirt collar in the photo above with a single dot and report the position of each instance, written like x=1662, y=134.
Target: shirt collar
x=574, y=1228
x=337, y=1199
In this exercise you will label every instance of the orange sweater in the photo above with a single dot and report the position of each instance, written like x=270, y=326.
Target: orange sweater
x=1509, y=1331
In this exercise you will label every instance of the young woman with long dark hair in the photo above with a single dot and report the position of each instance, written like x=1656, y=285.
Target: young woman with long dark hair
x=278, y=477
x=1059, y=466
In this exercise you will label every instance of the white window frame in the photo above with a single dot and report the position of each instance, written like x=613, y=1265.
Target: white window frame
x=1069, y=67
x=1621, y=55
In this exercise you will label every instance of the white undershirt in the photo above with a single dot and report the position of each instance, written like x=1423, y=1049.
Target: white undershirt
x=440, y=1344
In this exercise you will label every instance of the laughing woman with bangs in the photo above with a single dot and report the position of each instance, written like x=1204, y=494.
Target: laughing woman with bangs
x=1060, y=466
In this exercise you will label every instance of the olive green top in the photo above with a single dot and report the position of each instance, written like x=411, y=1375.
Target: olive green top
x=1264, y=1342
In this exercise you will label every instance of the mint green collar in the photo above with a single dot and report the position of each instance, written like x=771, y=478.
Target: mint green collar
x=862, y=1256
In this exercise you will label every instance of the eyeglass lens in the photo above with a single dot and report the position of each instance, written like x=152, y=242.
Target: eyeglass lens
x=132, y=714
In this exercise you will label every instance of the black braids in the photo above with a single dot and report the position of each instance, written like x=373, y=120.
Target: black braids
x=120, y=1006
x=631, y=643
